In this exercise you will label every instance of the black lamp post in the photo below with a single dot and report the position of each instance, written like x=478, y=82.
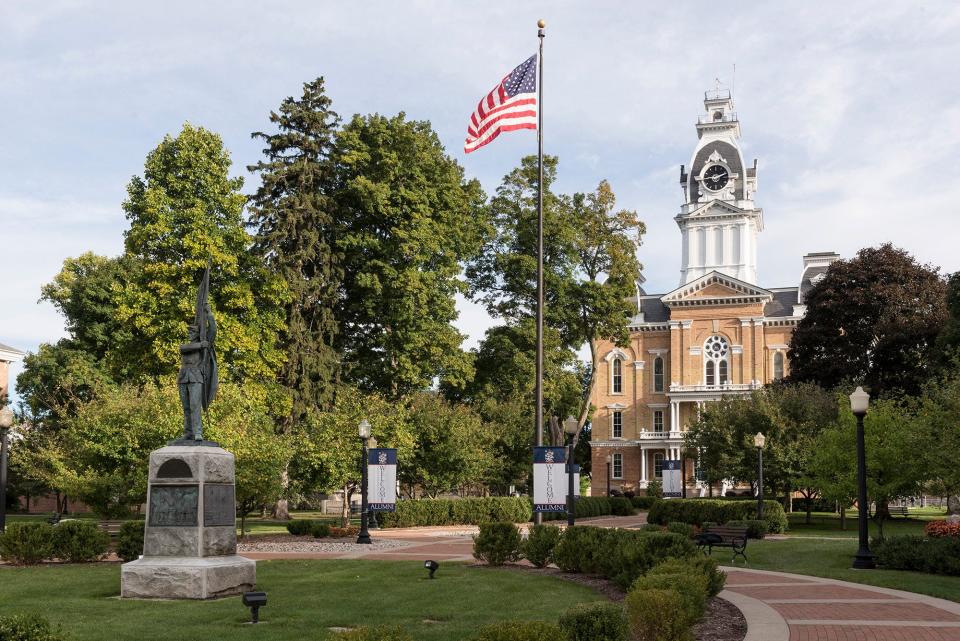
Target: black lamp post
x=609, y=479
x=6, y=422
x=364, y=429
x=571, y=427
x=758, y=442
x=864, y=560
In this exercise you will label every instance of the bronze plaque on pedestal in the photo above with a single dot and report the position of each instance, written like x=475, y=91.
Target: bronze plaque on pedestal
x=219, y=507
x=173, y=505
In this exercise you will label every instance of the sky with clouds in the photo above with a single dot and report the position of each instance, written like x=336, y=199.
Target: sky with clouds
x=852, y=108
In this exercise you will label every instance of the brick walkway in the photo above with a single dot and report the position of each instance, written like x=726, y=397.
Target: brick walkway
x=441, y=543
x=789, y=607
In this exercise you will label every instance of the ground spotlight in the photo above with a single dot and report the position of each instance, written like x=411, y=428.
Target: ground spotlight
x=432, y=566
x=255, y=601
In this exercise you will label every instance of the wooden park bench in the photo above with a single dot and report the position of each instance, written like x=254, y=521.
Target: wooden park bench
x=898, y=510
x=722, y=536
x=111, y=527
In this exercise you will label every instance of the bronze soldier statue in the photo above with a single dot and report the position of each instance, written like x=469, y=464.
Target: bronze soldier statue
x=197, y=379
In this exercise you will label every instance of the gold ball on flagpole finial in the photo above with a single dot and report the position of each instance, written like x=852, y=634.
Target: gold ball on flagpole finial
x=541, y=23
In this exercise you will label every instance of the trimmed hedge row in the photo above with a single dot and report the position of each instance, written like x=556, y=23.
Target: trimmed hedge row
x=937, y=555
x=74, y=541
x=587, y=506
x=698, y=511
x=666, y=602
x=468, y=511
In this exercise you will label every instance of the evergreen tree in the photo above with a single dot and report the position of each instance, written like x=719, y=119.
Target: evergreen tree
x=407, y=218
x=293, y=215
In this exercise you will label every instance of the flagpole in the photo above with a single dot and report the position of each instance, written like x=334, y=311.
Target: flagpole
x=538, y=518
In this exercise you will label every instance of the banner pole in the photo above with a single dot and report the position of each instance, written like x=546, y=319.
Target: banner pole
x=538, y=518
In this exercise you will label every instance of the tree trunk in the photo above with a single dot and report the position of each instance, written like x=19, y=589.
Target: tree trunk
x=281, y=509
x=345, y=511
x=843, y=517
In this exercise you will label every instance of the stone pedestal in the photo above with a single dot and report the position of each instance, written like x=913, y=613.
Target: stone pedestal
x=190, y=538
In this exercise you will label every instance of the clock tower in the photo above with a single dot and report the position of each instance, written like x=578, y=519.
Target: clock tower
x=719, y=221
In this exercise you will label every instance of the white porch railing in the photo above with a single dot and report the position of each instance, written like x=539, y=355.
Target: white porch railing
x=660, y=436
x=727, y=387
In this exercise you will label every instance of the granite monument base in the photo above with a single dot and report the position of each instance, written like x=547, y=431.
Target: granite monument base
x=168, y=577
x=190, y=535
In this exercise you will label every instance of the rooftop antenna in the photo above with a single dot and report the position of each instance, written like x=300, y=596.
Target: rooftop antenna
x=733, y=85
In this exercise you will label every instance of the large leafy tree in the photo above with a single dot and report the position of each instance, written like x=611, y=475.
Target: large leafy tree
x=294, y=218
x=873, y=319
x=590, y=267
x=328, y=455
x=186, y=212
x=60, y=376
x=454, y=447
x=948, y=343
x=407, y=219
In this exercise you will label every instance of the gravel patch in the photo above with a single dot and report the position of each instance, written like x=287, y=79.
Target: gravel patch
x=286, y=543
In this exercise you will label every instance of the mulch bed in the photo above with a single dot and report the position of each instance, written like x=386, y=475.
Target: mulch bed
x=722, y=621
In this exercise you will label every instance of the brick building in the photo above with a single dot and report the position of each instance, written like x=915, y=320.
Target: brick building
x=718, y=334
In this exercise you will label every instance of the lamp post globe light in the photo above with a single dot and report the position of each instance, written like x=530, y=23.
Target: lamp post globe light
x=864, y=560
x=758, y=441
x=6, y=422
x=571, y=427
x=609, y=480
x=364, y=431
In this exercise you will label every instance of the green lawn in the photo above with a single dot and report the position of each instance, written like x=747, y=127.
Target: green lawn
x=305, y=598
x=828, y=524
x=832, y=559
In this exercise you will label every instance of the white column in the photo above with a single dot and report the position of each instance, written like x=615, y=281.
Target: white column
x=674, y=418
x=643, y=464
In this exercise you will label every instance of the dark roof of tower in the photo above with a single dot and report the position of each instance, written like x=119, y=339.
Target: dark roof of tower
x=782, y=304
x=730, y=154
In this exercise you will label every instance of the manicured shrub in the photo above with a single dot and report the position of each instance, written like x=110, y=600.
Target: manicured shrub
x=27, y=542
x=130, y=540
x=621, y=506
x=655, y=489
x=497, y=543
x=755, y=529
x=940, y=529
x=685, y=529
x=653, y=615
x=519, y=631
x=921, y=554
x=689, y=583
x=27, y=627
x=299, y=527
x=381, y=633
x=344, y=532
x=599, y=621
x=643, y=502
x=79, y=541
x=705, y=565
x=320, y=530
x=618, y=554
x=466, y=511
x=698, y=511
x=539, y=545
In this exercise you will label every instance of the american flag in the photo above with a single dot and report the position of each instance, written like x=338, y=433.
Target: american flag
x=511, y=105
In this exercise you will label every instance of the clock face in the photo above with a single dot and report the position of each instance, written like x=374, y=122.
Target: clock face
x=715, y=177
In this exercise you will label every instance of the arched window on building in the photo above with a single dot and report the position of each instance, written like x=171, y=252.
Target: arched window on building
x=716, y=367
x=658, y=465
x=658, y=374
x=617, y=376
x=777, y=365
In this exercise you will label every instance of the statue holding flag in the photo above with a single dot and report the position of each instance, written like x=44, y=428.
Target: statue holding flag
x=197, y=379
